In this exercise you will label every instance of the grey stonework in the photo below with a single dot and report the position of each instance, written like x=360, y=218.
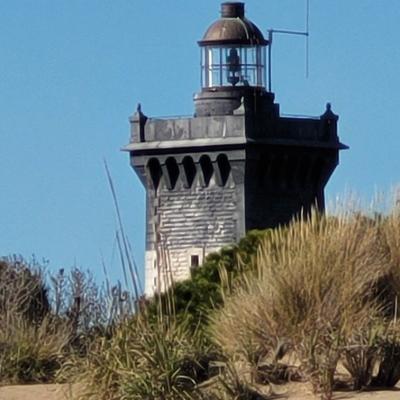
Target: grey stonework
x=211, y=177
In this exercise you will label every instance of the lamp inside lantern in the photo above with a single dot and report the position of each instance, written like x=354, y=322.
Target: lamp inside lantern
x=233, y=67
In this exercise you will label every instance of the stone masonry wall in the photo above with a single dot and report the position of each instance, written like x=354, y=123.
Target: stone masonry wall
x=188, y=222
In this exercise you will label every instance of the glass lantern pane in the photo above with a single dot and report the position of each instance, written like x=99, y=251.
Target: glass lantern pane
x=215, y=77
x=251, y=55
x=215, y=56
x=233, y=66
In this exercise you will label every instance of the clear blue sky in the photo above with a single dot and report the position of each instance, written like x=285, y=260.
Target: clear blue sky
x=72, y=71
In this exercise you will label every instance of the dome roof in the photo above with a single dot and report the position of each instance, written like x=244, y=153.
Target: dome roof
x=233, y=28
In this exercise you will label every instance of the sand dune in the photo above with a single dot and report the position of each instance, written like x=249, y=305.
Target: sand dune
x=296, y=392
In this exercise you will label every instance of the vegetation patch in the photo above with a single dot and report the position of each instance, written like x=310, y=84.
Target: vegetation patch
x=306, y=302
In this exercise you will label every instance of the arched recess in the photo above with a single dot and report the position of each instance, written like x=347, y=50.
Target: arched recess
x=293, y=171
x=304, y=171
x=317, y=172
x=173, y=172
x=276, y=170
x=190, y=171
x=224, y=169
x=155, y=172
x=206, y=169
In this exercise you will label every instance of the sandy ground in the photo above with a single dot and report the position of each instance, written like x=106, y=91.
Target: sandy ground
x=293, y=392
x=36, y=392
x=300, y=391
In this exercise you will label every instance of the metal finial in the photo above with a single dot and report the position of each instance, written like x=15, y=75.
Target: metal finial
x=329, y=114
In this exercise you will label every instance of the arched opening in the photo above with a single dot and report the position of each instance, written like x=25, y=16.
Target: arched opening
x=154, y=169
x=224, y=168
x=206, y=168
x=173, y=172
x=304, y=171
x=190, y=171
x=317, y=172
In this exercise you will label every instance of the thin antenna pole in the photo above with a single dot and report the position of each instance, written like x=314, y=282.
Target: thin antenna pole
x=306, y=33
x=307, y=38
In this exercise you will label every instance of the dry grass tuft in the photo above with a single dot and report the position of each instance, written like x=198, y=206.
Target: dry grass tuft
x=310, y=297
x=31, y=340
x=31, y=353
x=142, y=360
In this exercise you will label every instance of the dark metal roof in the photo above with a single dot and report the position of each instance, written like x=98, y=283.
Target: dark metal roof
x=233, y=28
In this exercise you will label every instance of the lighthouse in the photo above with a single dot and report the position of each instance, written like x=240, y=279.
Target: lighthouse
x=237, y=164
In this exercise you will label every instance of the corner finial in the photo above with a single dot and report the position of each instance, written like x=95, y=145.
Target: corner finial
x=329, y=114
x=138, y=115
x=138, y=119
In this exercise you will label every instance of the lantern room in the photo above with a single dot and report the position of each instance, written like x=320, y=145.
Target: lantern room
x=233, y=51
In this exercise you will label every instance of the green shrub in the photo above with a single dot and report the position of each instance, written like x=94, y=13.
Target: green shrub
x=196, y=297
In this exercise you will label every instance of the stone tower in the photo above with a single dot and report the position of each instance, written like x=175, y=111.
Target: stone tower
x=236, y=165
